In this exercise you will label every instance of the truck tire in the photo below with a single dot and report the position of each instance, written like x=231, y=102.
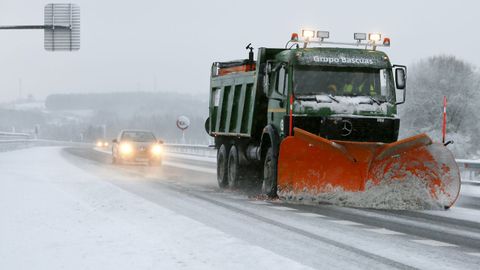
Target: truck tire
x=233, y=168
x=269, y=185
x=222, y=162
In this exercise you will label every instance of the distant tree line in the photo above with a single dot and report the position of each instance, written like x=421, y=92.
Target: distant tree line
x=138, y=110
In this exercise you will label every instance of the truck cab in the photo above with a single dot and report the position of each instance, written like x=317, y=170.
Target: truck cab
x=338, y=93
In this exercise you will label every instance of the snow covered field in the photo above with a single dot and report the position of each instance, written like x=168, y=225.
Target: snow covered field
x=60, y=211
x=57, y=216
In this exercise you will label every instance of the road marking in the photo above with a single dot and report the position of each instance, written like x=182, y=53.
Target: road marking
x=384, y=231
x=433, y=243
x=283, y=208
x=311, y=215
x=346, y=222
x=260, y=202
x=476, y=254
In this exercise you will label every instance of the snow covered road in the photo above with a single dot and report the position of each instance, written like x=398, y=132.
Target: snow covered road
x=72, y=209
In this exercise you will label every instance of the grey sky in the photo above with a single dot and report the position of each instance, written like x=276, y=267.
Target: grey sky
x=128, y=45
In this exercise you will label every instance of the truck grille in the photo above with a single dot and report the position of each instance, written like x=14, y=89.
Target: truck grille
x=349, y=128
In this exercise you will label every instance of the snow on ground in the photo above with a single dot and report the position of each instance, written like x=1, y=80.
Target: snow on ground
x=57, y=216
x=462, y=213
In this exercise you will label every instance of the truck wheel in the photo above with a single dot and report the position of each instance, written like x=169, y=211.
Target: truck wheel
x=269, y=185
x=233, y=168
x=222, y=166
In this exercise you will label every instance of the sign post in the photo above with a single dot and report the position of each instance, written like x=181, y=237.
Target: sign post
x=183, y=123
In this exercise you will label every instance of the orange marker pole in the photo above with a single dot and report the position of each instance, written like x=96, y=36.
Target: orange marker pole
x=444, y=124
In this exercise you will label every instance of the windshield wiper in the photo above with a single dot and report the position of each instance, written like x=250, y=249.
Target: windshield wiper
x=375, y=100
x=378, y=101
x=333, y=98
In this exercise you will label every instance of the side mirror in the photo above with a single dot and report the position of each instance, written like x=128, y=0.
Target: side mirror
x=114, y=141
x=400, y=78
x=401, y=81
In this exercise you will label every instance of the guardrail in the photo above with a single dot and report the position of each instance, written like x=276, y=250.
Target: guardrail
x=469, y=170
x=192, y=149
x=14, y=136
x=12, y=144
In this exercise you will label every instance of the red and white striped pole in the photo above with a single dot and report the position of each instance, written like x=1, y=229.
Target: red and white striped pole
x=444, y=124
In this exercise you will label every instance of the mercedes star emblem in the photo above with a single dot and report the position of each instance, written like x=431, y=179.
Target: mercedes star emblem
x=347, y=128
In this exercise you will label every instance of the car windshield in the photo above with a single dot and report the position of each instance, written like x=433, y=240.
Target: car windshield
x=138, y=136
x=347, y=81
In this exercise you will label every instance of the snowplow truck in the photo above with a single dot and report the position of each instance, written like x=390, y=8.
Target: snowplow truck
x=315, y=119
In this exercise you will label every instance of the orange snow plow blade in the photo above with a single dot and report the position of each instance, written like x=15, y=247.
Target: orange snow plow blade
x=413, y=173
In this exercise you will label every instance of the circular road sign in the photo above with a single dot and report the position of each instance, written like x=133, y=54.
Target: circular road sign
x=183, y=122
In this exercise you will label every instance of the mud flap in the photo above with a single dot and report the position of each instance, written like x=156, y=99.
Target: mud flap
x=310, y=167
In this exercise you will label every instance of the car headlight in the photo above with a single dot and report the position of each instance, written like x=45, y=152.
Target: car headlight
x=105, y=144
x=157, y=149
x=99, y=144
x=126, y=148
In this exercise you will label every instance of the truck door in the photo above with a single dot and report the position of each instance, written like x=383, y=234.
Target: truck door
x=277, y=104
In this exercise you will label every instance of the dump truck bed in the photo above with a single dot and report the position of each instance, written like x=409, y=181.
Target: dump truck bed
x=238, y=105
x=233, y=104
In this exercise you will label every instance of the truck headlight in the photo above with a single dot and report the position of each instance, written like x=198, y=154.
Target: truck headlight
x=308, y=33
x=374, y=37
x=157, y=149
x=126, y=148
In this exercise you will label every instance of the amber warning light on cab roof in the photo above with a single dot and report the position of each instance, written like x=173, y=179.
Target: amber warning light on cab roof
x=318, y=37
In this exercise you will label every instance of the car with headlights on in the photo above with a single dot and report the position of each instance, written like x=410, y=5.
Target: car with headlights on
x=101, y=143
x=137, y=146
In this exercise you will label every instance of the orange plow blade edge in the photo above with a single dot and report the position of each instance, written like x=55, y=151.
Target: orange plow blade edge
x=412, y=173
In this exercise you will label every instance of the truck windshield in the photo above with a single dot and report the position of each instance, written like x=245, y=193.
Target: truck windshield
x=347, y=81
